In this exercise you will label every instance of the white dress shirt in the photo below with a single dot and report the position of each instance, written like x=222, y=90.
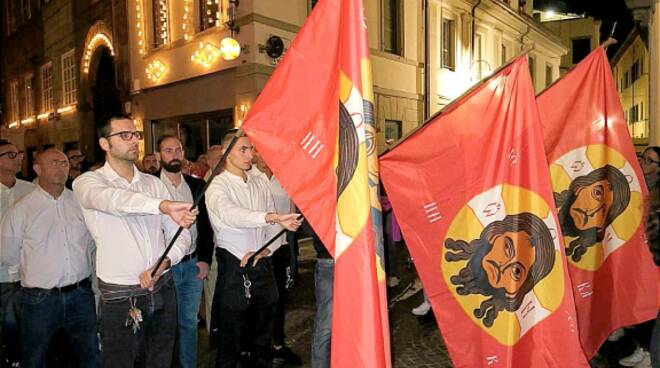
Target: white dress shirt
x=125, y=221
x=7, y=197
x=46, y=239
x=237, y=210
x=181, y=193
x=280, y=196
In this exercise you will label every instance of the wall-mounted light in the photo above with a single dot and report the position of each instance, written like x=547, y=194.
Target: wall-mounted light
x=230, y=49
x=240, y=113
x=155, y=70
x=206, y=54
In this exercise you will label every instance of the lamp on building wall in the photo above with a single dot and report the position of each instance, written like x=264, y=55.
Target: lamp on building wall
x=240, y=113
x=230, y=49
x=476, y=73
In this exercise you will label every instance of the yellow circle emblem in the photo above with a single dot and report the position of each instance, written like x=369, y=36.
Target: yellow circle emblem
x=501, y=261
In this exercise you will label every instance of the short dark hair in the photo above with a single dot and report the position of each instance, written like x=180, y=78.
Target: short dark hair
x=105, y=127
x=163, y=138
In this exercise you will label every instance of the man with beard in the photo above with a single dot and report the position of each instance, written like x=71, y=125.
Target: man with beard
x=11, y=190
x=508, y=259
x=150, y=164
x=194, y=267
x=589, y=205
x=132, y=219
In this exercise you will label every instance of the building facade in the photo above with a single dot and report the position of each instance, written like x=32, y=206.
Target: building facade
x=630, y=66
x=171, y=74
x=579, y=34
x=63, y=69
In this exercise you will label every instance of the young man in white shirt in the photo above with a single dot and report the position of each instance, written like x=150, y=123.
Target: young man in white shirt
x=282, y=262
x=242, y=213
x=44, y=238
x=11, y=190
x=194, y=267
x=132, y=219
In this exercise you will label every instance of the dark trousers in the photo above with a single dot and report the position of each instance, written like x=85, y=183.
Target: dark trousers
x=10, y=306
x=242, y=325
x=152, y=344
x=44, y=312
x=281, y=261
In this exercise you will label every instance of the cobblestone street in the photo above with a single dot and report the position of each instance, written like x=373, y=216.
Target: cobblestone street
x=415, y=342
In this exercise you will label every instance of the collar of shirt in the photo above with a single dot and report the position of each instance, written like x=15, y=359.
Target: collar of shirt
x=112, y=175
x=168, y=182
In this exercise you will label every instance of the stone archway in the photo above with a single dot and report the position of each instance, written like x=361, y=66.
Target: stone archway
x=99, y=91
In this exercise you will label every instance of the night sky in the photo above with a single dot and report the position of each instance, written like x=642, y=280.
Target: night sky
x=609, y=11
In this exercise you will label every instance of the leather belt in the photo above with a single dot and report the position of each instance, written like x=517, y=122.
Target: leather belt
x=189, y=256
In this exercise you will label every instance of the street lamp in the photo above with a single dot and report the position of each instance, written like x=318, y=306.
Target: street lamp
x=476, y=72
x=230, y=49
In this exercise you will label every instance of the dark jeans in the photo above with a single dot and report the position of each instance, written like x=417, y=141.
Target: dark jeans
x=323, y=281
x=281, y=260
x=153, y=343
x=10, y=306
x=240, y=325
x=188, y=296
x=655, y=344
x=44, y=312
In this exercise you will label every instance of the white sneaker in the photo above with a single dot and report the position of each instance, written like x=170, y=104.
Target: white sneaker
x=422, y=309
x=616, y=335
x=635, y=358
x=646, y=362
x=393, y=281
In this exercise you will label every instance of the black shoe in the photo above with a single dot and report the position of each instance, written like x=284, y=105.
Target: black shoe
x=286, y=355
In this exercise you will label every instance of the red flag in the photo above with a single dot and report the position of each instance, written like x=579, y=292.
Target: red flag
x=313, y=123
x=599, y=189
x=474, y=202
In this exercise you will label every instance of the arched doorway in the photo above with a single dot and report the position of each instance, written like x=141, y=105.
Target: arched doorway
x=106, y=99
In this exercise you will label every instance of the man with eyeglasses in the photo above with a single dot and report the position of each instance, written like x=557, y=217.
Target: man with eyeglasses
x=132, y=219
x=45, y=240
x=11, y=190
x=76, y=165
x=194, y=266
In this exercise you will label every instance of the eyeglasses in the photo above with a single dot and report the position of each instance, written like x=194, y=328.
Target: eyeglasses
x=648, y=161
x=74, y=157
x=57, y=163
x=12, y=154
x=127, y=135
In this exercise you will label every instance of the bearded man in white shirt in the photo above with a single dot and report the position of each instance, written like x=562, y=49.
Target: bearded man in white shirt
x=132, y=219
x=44, y=238
x=243, y=217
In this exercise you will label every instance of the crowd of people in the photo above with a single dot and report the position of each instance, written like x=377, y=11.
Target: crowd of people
x=81, y=255
x=81, y=251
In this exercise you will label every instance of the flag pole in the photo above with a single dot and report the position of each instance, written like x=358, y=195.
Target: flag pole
x=214, y=173
x=269, y=242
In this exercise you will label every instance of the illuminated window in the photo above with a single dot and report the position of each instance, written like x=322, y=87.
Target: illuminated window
x=69, y=80
x=47, y=87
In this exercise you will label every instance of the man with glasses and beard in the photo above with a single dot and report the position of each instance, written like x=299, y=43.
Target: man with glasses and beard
x=11, y=190
x=132, y=220
x=194, y=266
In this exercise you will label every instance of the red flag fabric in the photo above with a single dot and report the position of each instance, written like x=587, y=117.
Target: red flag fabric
x=473, y=198
x=599, y=191
x=314, y=125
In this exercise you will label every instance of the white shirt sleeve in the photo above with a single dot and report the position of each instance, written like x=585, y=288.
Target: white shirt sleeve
x=272, y=230
x=219, y=203
x=13, y=227
x=182, y=243
x=93, y=192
